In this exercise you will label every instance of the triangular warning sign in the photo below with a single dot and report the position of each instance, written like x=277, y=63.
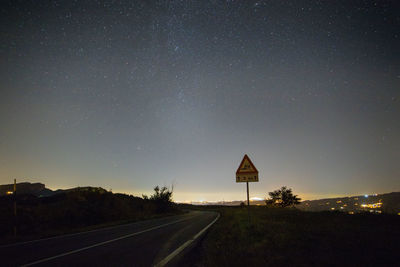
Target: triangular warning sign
x=246, y=166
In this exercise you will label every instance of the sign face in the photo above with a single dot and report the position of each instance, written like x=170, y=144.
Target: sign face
x=246, y=172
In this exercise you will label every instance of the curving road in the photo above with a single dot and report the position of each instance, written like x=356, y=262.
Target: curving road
x=145, y=243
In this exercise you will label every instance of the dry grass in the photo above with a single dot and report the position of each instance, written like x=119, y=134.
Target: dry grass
x=289, y=237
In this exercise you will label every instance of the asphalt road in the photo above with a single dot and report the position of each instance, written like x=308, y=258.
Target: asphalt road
x=145, y=243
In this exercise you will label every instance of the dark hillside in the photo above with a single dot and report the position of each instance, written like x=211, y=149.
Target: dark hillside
x=37, y=189
x=377, y=203
x=73, y=209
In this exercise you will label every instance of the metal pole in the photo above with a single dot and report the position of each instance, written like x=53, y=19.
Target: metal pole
x=248, y=203
x=15, y=207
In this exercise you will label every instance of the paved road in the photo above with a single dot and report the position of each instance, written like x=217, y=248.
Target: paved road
x=143, y=243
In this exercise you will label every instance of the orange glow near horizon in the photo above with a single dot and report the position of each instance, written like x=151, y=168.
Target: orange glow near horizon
x=180, y=196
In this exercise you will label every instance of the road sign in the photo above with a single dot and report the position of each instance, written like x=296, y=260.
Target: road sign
x=246, y=172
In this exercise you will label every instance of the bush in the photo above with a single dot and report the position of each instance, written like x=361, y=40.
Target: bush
x=162, y=198
x=282, y=197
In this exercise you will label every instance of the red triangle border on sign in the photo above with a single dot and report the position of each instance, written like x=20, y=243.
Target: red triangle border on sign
x=251, y=163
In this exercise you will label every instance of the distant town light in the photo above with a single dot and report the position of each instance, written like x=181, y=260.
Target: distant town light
x=372, y=206
x=365, y=195
x=10, y=192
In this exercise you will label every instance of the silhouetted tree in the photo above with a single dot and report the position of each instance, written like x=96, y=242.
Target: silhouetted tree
x=162, y=197
x=163, y=194
x=282, y=197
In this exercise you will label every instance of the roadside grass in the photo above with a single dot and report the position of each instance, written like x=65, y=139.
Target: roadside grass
x=289, y=237
x=74, y=211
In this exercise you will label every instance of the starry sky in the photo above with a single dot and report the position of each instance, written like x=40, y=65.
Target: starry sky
x=127, y=95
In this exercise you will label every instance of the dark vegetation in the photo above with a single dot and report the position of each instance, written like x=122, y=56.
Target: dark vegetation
x=77, y=209
x=283, y=197
x=162, y=198
x=290, y=237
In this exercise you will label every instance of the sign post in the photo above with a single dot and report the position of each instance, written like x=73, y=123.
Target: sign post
x=247, y=172
x=15, y=207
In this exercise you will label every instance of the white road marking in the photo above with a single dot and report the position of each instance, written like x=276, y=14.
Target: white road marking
x=102, y=243
x=184, y=245
x=79, y=233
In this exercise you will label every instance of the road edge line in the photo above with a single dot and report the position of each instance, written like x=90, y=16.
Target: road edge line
x=102, y=243
x=164, y=261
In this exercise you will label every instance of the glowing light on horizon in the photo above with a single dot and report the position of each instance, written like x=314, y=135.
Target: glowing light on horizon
x=256, y=198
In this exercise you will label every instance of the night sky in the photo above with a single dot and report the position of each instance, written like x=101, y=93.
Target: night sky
x=127, y=95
